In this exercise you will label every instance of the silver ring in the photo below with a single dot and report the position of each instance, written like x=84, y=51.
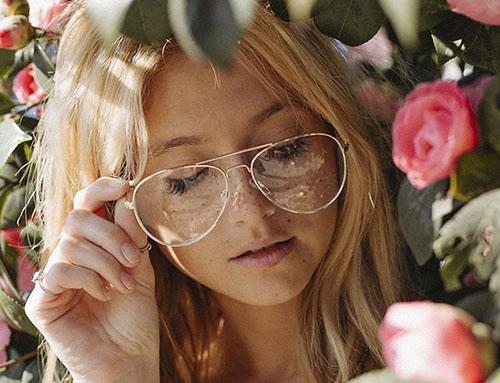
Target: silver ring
x=38, y=279
x=146, y=248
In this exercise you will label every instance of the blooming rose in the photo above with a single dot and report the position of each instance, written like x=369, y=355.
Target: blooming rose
x=431, y=342
x=4, y=340
x=26, y=88
x=45, y=14
x=475, y=91
x=14, y=7
x=432, y=129
x=484, y=11
x=15, y=32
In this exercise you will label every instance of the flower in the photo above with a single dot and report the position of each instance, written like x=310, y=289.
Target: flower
x=432, y=129
x=484, y=11
x=26, y=88
x=14, y=7
x=25, y=272
x=377, y=51
x=4, y=340
x=377, y=100
x=431, y=342
x=45, y=14
x=475, y=91
x=15, y=32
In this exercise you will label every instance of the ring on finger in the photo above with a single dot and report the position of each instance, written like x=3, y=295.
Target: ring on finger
x=146, y=248
x=38, y=279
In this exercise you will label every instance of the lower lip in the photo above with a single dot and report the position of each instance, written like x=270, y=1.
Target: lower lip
x=269, y=257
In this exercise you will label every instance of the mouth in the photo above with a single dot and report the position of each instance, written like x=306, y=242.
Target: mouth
x=266, y=256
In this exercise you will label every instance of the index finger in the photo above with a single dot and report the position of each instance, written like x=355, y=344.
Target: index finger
x=105, y=189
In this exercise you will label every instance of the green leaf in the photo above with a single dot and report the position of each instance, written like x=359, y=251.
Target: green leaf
x=489, y=114
x=481, y=305
x=146, y=21
x=432, y=12
x=14, y=315
x=32, y=238
x=16, y=204
x=494, y=377
x=43, y=69
x=453, y=266
x=298, y=10
x=7, y=59
x=108, y=17
x=351, y=21
x=10, y=136
x=8, y=284
x=476, y=172
x=404, y=17
x=212, y=29
x=415, y=217
x=6, y=103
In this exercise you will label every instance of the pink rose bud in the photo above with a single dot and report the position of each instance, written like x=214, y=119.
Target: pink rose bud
x=431, y=342
x=46, y=14
x=484, y=11
x=26, y=88
x=14, y=7
x=4, y=340
x=15, y=32
x=432, y=129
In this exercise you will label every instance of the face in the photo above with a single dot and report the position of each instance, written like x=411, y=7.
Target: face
x=218, y=115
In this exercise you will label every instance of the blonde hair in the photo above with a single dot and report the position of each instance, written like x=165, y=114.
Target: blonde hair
x=94, y=126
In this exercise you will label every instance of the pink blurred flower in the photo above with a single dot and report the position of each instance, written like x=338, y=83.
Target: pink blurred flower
x=14, y=7
x=475, y=91
x=45, y=14
x=376, y=101
x=484, y=11
x=26, y=88
x=376, y=51
x=15, y=32
x=432, y=129
x=431, y=342
x=4, y=340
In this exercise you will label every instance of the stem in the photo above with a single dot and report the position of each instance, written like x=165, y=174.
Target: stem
x=12, y=362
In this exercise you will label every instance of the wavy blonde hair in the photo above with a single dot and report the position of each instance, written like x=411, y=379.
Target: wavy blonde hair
x=94, y=126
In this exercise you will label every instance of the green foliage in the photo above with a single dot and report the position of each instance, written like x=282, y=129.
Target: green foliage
x=12, y=312
x=10, y=137
x=146, y=21
x=351, y=21
x=7, y=58
x=489, y=114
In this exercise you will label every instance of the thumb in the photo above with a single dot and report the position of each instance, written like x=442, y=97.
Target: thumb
x=125, y=218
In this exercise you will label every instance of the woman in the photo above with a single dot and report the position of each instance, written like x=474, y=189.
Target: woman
x=268, y=263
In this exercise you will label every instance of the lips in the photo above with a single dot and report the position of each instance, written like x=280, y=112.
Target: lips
x=267, y=255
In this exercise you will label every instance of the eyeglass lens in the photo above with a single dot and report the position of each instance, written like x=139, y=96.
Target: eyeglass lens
x=179, y=206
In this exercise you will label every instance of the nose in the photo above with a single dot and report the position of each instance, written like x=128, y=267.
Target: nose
x=246, y=202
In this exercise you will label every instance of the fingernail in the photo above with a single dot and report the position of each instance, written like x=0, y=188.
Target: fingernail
x=131, y=253
x=127, y=280
x=106, y=291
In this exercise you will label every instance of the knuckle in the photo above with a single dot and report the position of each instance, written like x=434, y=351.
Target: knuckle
x=74, y=219
x=68, y=245
x=115, y=233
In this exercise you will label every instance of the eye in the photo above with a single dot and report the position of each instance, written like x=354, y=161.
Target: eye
x=289, y=150
x=179, y=186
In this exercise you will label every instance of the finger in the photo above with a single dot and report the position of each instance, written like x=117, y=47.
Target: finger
x=105, y=189
x=82, y=253
x=107, y=235
x=62, y=276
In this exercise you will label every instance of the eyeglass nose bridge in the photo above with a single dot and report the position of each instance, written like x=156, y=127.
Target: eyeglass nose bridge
x=261, y=187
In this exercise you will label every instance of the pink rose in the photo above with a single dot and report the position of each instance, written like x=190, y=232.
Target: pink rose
x=431, y=342
x=484, y=11
x=14, y=7
x=4, y=340
x=475, y=91
x=432, y=129
x=25, y=272
x=45, y=14
x=26, y=88
x=15, y=32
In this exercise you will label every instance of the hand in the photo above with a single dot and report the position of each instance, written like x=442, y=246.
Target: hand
x=104, y=324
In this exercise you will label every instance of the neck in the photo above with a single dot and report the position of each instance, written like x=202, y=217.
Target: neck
x=259, y=341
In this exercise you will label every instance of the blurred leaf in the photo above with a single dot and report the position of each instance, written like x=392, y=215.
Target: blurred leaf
x=32, y=238
x=13, y=314
x=476, y=172
x=453, y=266
x=42, y=61
x=108, y=16
x=481, y=305
x=7, y=59
x=8, y=175
x=351, y=21
x=415, y=217
x=298, y=10
x=12, y=210
x=6, y=103
x=489, y=114
x=212, y=29
x=146, y=21
x=432, y=12
x=404, y=17
x=7, y=284
x=494, y=377
x=10, y=137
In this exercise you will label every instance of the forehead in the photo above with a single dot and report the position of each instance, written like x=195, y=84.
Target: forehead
x=189, y=97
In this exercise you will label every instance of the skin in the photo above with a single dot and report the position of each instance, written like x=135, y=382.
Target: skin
x=103, y=330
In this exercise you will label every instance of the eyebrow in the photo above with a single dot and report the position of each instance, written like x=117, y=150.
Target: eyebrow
x=162, y=146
